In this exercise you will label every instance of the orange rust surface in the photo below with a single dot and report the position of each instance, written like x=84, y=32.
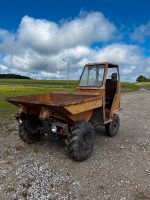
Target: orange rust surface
x=85, y=106
x=116, y=104
x=84, y=116
x=47, y=112
x=54, y=98
x=100, y=91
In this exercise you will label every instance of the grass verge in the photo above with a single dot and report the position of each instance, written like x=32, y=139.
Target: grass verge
x=129, y=87
x=143, y=84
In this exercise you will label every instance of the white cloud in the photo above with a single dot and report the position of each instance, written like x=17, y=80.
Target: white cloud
x=120, y=53
x=49, y=37
x=40, y=46
x=141, y=33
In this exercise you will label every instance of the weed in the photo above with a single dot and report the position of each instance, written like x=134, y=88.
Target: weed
x=25, y=194
x=27, y=184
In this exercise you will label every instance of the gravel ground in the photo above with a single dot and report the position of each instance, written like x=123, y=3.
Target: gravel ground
x=119, y=168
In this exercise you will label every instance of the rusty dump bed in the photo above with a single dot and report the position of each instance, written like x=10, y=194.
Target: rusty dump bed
x=54, y=99
x=59, y=103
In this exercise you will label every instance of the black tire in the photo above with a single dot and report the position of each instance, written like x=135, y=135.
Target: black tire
x=112, y=128
x=29, y=130
x=80, y=142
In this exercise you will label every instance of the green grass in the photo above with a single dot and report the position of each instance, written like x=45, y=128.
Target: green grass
x=143, y=83
x=24, y=86
x=37, y=82
x=6, y=91
x=126, y=87
x=7, y=112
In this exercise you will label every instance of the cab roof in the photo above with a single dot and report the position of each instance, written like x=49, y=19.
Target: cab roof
x=110, y=65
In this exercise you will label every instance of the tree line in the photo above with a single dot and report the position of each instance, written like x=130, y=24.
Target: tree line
x=14, y=76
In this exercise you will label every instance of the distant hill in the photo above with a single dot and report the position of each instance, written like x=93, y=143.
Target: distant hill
x=14, y=76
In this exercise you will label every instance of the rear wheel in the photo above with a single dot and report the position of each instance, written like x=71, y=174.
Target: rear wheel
x=112, y=128
x=81, y=141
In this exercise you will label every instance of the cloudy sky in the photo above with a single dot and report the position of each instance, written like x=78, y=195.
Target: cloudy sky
x=43, y=37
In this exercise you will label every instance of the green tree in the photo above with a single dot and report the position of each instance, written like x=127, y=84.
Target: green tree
x=142, y=78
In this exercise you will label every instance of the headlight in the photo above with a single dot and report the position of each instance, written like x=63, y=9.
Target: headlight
x=54, y=129
x=20, y=121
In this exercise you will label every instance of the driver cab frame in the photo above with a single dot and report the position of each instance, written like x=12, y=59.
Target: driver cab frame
x=106, y=85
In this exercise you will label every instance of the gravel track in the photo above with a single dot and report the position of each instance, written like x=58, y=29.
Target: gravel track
x=119, y=168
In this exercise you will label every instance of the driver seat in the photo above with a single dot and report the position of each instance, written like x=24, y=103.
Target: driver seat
x=110, y=89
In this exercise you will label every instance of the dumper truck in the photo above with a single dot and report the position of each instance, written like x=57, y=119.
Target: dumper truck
x=73, y=116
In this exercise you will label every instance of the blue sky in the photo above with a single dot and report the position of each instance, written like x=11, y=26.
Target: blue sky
x=121, y=12
x=37, y=35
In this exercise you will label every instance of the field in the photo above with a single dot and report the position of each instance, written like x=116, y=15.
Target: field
x=11, y=87
x=43, y=83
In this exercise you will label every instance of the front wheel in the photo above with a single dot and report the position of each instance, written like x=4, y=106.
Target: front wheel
x=112, y=128
x=27, y=136
x=29, y=129
x=81, y=141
